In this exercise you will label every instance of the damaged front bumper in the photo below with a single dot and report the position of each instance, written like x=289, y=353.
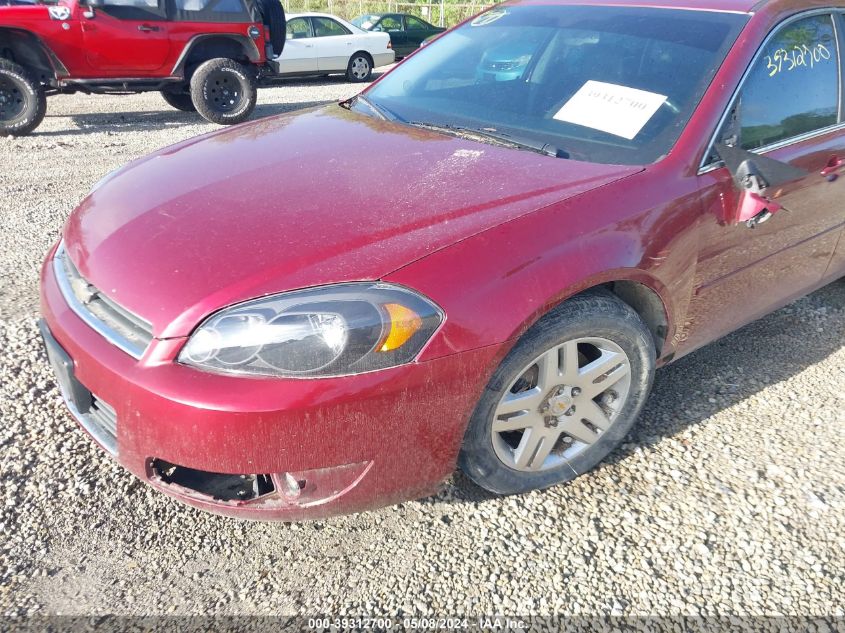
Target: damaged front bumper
x=261, y=448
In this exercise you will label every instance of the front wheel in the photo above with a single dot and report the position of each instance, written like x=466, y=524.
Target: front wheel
x=223, y=91
x=360, y=68
x=563, y=398
x=23, y=103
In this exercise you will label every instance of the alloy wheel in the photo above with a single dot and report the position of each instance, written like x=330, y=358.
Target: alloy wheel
x=360, y=67
x=561, y=404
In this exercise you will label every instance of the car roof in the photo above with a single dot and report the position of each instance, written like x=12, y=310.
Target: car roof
x=313, y=14
x=382, y=15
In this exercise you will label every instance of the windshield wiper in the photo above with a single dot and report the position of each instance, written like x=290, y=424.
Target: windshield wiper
x=498, y=138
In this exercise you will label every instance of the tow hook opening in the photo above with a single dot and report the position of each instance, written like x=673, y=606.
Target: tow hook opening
x=304, y=488
x=218, y=486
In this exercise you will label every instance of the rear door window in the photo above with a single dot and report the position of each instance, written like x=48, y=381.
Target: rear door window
x=413, y=24
x=325, y=27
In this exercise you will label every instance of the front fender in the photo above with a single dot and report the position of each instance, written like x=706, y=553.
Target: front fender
x=497, y=284
x=28, y=49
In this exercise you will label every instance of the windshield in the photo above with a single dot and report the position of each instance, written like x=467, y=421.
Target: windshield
x=603, y=84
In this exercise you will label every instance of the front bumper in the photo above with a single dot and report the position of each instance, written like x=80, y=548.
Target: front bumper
x=349, y=444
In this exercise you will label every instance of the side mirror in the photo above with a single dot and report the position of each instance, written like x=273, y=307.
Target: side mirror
x=754, y=176
x=88, y=5
x=754, y=209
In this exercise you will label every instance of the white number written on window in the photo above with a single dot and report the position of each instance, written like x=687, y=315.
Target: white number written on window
x=803, y=56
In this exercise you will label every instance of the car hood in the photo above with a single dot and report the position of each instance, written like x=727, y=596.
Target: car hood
x=318, y=197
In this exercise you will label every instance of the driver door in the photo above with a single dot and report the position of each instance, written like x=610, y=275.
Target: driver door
x=125, y=37
x=787, y=110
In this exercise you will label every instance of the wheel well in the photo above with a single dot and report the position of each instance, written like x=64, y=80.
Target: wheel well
x=211, y=48
x=24, y=48
x=366, y=54
x=647, y=304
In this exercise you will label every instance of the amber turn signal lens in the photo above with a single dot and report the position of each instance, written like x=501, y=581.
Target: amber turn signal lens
x=404, y=323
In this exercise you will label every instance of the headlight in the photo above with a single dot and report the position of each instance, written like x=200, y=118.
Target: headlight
x=328, y=331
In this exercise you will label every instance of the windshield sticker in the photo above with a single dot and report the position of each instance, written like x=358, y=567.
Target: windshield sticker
x=59, y=13
x=488, y=18
x=610, y=108
x=800, y=56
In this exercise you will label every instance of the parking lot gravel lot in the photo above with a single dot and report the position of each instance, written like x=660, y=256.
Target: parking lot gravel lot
x=728, y=498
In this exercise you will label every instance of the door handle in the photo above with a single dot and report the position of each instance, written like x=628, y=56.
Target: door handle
x=146, y=28
x=833, y=166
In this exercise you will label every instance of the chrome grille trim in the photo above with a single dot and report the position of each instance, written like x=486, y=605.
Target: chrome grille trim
x=117, y=325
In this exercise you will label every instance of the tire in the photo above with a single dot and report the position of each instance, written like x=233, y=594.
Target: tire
x=600, y=327
x=23, y=103
x=179, y=100
x=273, y=14
x=224, y=91
x=360, y=68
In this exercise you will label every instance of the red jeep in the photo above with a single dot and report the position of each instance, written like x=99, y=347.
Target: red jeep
x=203, y=55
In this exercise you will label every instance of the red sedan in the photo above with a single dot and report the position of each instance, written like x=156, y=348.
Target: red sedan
x=253, y=323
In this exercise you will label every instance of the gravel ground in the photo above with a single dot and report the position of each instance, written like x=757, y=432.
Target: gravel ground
x=728, y=498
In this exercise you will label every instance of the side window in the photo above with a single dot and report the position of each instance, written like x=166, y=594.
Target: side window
x=298, y=28
x=793, y=87
x=135, y=9
x=138, y=4
x=324, y=27
x=215, y=6
x=229, y=6
x=413, y=24
x=389, y=24
x=365, y=22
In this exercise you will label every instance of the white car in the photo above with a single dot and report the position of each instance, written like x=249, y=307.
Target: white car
x=322, y=44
